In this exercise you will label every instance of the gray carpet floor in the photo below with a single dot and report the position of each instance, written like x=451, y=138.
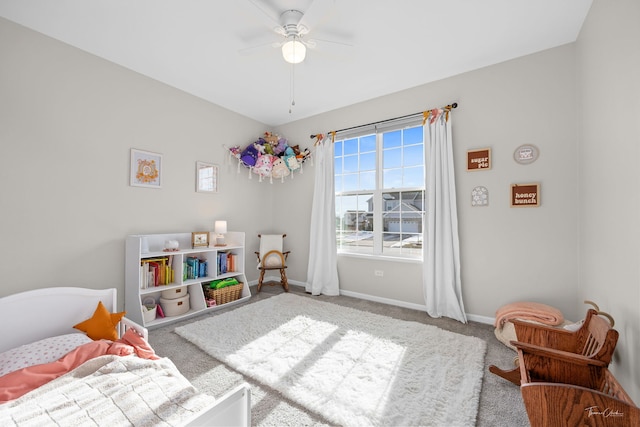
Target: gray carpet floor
x=500, y=401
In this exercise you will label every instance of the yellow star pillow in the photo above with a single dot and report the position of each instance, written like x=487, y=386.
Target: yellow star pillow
x=102, y=325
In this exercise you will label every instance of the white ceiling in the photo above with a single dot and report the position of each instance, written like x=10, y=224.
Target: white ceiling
x=205, y=47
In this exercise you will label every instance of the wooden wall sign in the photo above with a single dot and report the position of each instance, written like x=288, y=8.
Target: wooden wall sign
x=479, y=159
x=525, y=195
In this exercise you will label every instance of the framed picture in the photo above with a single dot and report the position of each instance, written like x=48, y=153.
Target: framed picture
x=525, y=195
x=478, y=160
x=200, y=239
x=526, y=154
x=146, y=169
x=206, y=177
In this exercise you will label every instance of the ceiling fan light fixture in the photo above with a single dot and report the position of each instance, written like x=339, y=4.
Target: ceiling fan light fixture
x=294, y=51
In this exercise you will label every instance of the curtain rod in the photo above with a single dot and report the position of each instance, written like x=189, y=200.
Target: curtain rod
x=447, y=107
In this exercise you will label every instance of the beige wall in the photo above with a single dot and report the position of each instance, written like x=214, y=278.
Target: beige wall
x=508, y=254
x=67, y=122
x=608, y=59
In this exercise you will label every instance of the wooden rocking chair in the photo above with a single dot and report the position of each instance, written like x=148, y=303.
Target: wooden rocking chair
x=271, y=257
x=553, y=353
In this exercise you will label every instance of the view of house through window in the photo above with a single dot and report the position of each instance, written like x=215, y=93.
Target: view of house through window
x=379, y=184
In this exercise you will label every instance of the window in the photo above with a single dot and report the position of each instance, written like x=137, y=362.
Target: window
x=379, y=184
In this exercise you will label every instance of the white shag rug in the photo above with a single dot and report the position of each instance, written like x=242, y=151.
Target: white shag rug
x=352, y=367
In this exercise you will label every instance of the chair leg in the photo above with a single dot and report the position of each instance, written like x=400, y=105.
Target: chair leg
x=260, y=280
x=283, y=280
x=512, y=375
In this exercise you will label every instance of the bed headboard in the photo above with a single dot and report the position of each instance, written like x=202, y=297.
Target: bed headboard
x=33, y=315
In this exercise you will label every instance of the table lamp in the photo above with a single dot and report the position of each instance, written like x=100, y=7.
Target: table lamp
x=220, y=229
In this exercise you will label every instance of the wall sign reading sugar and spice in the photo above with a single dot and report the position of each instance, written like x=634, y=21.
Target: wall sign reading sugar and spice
x=525, y=195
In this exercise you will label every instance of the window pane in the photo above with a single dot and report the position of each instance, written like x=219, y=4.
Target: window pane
x=368, y=161
x=368, y=181
x=350, y=164
x=413, y=135
x=338, y=184
x=368, y=143
x=350, y=182
x=391, y=139
x=351, y=146
x=392, y=178
x=392, y=158
x=402, y=223
x=413, y=177
x=413, y=155
x=337, y=148
x=337, y=166
x=354, y=219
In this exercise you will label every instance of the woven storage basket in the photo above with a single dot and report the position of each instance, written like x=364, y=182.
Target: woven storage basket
x=224, y=295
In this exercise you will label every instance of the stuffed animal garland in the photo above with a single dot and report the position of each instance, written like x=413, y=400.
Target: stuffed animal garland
x=271, y=157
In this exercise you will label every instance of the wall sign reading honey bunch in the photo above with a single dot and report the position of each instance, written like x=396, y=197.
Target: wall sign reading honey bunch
x=525, y=195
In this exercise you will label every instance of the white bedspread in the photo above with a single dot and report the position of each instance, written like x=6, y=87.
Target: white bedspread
x=110, y=391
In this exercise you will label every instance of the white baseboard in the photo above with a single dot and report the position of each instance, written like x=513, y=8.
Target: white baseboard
x=420, y=307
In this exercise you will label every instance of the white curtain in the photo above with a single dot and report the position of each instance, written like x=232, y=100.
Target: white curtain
x=441, y=274
x=322, y=272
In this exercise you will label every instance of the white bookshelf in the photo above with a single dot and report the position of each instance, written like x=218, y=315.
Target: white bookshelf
x=151, y=246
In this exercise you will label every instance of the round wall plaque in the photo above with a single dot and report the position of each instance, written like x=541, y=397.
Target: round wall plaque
x=526, y=154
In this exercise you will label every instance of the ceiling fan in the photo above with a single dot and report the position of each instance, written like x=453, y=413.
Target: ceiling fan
x=293, y=26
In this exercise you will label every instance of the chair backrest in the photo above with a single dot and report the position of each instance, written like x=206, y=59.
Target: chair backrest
x=271, y=255
x=270, y=242
x=597, y=339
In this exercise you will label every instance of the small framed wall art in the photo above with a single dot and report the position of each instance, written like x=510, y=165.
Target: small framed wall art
x=525, y=195
x=206, y=177
x=479, y=159
x=526, y=154
x=145, y=169
x=200, y=239
x=480, y=196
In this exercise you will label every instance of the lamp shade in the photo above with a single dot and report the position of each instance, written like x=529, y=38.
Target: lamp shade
x=221, y=227
x=294, y=51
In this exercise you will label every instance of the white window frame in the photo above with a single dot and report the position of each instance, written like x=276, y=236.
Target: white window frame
x=378, y=130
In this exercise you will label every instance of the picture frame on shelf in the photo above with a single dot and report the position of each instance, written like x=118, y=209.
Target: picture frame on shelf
x=206, y=177
x=145, y=169
x=200, y=239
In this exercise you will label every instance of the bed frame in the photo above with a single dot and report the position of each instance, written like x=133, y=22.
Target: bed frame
x=34, y=315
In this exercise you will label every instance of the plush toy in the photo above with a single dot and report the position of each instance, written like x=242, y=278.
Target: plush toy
x=290, y=160
x=263, y=165
x=304, y=155
x=250, y=155
x=280, y=147
x=279, y=169
x=235, y=151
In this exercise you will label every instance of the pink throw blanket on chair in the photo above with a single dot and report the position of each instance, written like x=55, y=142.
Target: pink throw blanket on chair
x=529, y=311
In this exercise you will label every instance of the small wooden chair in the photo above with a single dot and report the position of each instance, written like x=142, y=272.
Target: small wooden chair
x=272, y=257
x=591, y=345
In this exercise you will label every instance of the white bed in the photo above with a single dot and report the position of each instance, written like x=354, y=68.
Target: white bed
x=50, y=312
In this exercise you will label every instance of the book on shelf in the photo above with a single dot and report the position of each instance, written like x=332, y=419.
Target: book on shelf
x=194, y=268
x=156, y=272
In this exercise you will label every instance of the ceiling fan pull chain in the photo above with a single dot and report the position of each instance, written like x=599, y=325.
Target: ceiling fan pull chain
x=292, y=89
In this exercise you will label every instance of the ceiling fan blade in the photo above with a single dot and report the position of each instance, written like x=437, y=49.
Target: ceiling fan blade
x=318, y=12
x=259, y=47
x=313, y=43
x=269, y=12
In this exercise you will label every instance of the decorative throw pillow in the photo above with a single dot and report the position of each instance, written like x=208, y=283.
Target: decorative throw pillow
x=102, y=325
